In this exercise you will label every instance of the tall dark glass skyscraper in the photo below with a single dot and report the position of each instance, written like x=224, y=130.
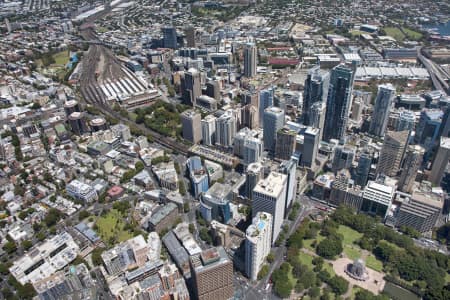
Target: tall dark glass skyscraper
x=338, y=103
x=169, y=37
x=316, y=89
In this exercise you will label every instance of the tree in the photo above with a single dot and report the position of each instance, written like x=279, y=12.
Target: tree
x=338, y=284
x=4, y=268
x=205, y=236
x=83, y=215
x=186, y=207
x=314, y=292
x=282, y=284
x=96, y=256
x=191, y=228
x=53, y=216
x=263, y=272
x=10, y=247
x=181, y=187
x=329, y=248
x=27, y=244
x=270, y=258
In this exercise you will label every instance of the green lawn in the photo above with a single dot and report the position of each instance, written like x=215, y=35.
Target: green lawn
x=395, y=33
x=352, y=252
x=61, y=58
x=306, y=259
x=355, y=289
x=308, y=243
x=373, y=263
x=412, y=34
x=111, y=226
x=350, y=235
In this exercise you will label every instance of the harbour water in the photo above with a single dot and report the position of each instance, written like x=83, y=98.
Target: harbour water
x=441, y=28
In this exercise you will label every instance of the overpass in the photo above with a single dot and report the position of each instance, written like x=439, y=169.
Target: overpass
x=436, y=75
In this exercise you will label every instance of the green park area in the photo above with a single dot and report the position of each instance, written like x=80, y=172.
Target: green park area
x=402, y=33
x=54, y=65
x=112, y=227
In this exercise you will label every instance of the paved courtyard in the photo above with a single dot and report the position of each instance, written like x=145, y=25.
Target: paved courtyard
x=375, y=283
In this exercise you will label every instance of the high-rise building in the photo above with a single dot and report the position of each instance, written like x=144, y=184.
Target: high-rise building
x=254, y=173
x=212, y=275
x=310, y=146
x=316, y=89
x=189, y=32
x=421, y=211
x=197, y=175
x=383, y=104
x=363, y=168
x=273, y=121
x=338, y=103
x=191, y=86
x=208, y=125
x=440, y=161
x=265, y=100
x=377, y=199
x=253, y=150
x=258, y=238
x=343, y=158
x=250, y=116
x=213, y=89
x=191, y=126
x=250, y=97
x=445, y=126
x=269, y=196
x=357, y=107
x=413, y=159
x=289, y=168
x=317, y=117
x=71, y=106
x=215, y=203
x=406, y=121
x=285, y=145
x=169, y=37
x=78, y=123
x=225, y=129
x=250, y=58
x=428, y=128
x=391, y=155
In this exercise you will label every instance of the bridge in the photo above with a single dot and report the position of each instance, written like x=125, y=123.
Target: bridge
x=436, y=75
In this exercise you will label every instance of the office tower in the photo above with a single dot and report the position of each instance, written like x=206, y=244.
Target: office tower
x=191, y=86
x=285, y=145
x=212, y=275
x=343, y=158
x=239, y=139
x=377, y=199
x=254, y=173
x=250, y=97
x=197, y=175
x=250, y=116
x=317, y=116
x=213, y=89
x=310, y=146
x=406, y=121
x=71, y=106
x=273, y=121
x=440, y=161
x=253, y=150
x=250, y=56
x=208, y=125
x=338, y=103
x=445, y=125
x=428, y=128
x=215, y=203
x=8, y=25
x=363, y=168
x=413, y=160
x=189, y=32
x=225, y=129
x=258, y=237
x=168, y=274
x=391, y=155
x=191, y=126
x=316, y=89
x=357, y=107
x=77, y=123
x=265, y=100
x=383, y=104
x=421, y=211
x=289, y=168
x=169, y=37
x=269, y=196
x=339, y=188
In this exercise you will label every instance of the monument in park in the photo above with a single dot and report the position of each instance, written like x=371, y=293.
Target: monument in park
x=357, y=270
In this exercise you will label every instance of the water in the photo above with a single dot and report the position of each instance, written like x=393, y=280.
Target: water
x=399, y=293
x=443, y=29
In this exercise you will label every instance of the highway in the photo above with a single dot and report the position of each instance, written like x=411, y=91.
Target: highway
x=436, y=74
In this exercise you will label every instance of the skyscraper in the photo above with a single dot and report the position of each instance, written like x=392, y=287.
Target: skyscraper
x=273, y=121
x=380, y=115
x=289, y=168
x=209, y=130
x=258, y=238
x=254, y=173
x=428, y=128
x=343, y=158
x=250, y=56
x=440, y=161
x=225, y=129
x=269, y=196
x=317, y=117
x=250, y=116
x=310, y=146
x=338, y=103
x=285, y=145
x=191, y=86
x=213, y=89
x=191, y=126
x=265, y=100
x=169, y=37
x=391, y=155
x=212, y=274
x=316, y=89
x=189, y=32
x=253, y=150
x=411, y=164
x=363, y=168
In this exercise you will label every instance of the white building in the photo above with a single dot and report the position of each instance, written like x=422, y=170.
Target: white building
x=253, y=149
x=377, y=198
x=44, y=260
x=209, y=130
x=81, y=191
x=269, y=196
x=225, y=129
x=257, y=243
